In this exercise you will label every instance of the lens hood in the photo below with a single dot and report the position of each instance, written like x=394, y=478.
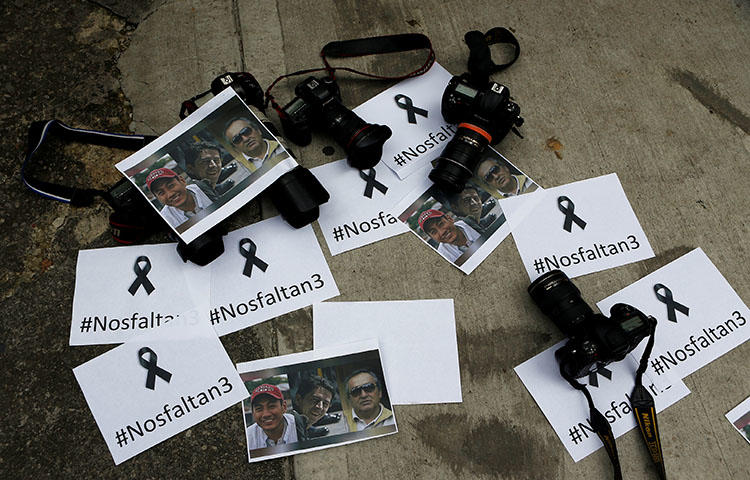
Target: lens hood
x=366, y=146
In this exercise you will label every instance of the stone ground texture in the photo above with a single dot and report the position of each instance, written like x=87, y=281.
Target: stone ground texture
x=655, y=91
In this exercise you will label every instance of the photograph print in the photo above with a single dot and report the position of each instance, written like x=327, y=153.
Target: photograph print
x=208, y=165
x=315, y=404
x=459, y=225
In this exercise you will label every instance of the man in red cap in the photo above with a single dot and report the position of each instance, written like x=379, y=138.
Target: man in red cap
x=453, y=237
x=181, y=201
x=273, y=426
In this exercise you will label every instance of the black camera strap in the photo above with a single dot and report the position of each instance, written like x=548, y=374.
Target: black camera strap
x=360, y=47
x=644, y=410
x=39, y=132
x=480, y=64
x=125, y=229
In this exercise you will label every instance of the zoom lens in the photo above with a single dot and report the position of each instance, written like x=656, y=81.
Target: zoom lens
x=456, y=164
x=559, y=299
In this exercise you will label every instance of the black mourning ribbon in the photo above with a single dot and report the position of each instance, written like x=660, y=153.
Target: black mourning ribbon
x=670, y=302
x=369, y=177
x=250, y=258
x=153, y=369
x=408, y=105
x=603, y=371
x=570, y=217
x=141, y=276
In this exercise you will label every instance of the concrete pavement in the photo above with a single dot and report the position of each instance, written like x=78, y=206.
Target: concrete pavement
x=655, y=92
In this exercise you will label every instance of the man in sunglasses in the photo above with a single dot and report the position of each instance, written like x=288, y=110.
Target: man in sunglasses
x=496, y=174
x=364, y=393
x=454, y=237
x=247, y=136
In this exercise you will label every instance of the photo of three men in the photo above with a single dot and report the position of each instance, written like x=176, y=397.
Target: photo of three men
x=306, y=406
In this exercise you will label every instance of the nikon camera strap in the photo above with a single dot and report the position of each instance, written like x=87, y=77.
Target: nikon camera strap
x=643, y=408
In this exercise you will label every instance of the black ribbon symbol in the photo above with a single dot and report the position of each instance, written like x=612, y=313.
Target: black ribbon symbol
x=153, y=369
x=408, y=105
x=570, y=217
x=369, y=177
x=251, y=259
x=141, y=278
x=671, y=304
x=603, y=371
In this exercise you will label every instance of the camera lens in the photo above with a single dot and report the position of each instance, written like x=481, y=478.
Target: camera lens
x=362, y=141
x=559, y=299
x=456, y=164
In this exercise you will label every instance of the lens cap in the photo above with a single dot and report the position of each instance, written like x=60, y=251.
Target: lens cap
x=366, y=147
x=297, y=195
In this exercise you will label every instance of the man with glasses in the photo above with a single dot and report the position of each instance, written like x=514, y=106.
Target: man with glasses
x=470, y=209
x=364, y=393
x=246, y=135
x=496, y=174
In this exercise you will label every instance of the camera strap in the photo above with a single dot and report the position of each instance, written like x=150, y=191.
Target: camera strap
x=480, y=64
x=125, y=228
x=39, y=132
x=644, y=410
x=360, y=47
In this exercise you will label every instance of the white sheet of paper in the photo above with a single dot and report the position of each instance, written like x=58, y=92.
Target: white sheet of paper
x=133, y=418
x=566, y=408
x=426, y=195
x=350, y=219
x=412, y=146
x=739, y=417
x=716, y=320
x=297, y=275
x=105, y=311
x=417, y=343
x=610, y=237
x=207, y=123
x=335, y=363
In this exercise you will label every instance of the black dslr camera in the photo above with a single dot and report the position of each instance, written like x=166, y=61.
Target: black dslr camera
x=318, y=101
x=485, y=115
x=595, y=340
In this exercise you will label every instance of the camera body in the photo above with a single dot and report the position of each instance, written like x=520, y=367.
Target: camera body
x=484, y=117
x=318, y=101
x=595, y=340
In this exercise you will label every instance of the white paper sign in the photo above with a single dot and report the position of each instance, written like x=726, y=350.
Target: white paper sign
x=417, y=343
x=359, y=211
x=121, y=291
x=267, y=269
x=739, y=416
x=700, y=317
x=465, y=228
x=579, y=228
x=169, y=171
x=158, y=384
x=411, y=109
x=567, y=411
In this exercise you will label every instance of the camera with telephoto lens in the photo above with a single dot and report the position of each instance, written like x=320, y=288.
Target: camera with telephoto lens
x=595, y=340
x=318, y=101
x=484, y=116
